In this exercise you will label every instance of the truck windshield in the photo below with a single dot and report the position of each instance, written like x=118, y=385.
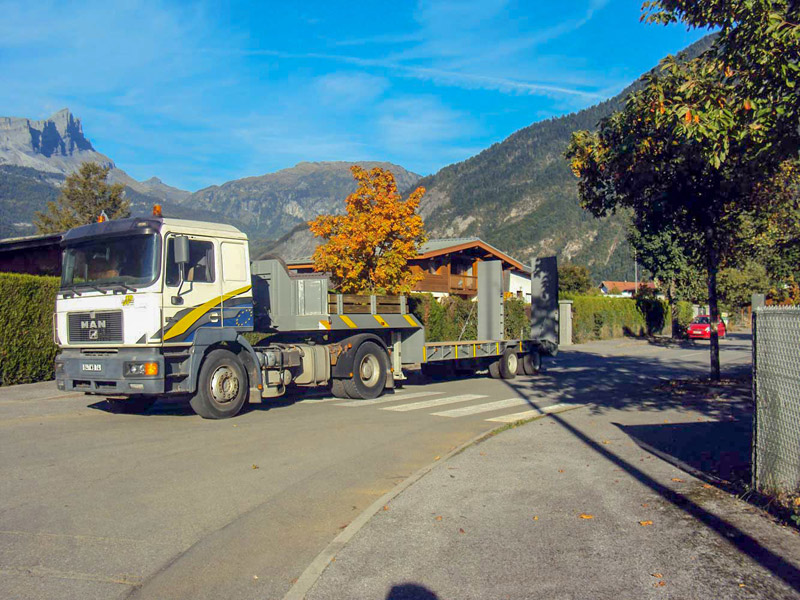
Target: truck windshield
x=127, y=261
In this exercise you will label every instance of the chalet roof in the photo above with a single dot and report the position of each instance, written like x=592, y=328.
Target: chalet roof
x=30, y=242
x=627, y=286
x=440, y=246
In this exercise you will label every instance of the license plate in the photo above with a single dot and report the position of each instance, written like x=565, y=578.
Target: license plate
x=91, y=367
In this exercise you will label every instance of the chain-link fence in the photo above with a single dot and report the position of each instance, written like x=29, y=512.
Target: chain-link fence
x=776, y=389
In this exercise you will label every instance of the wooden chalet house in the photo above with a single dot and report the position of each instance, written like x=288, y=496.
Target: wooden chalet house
x=450, y=266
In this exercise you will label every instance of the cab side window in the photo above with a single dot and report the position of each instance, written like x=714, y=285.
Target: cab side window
x=200, y=267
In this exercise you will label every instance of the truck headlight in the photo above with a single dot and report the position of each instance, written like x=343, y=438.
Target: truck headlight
x=140, y=369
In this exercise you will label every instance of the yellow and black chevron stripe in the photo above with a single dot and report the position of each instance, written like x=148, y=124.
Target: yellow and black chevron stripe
x=187, y=321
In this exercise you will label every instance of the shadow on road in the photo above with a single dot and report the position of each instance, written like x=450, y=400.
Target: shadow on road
x=627, y=383
x=410, y=591
x=712, y=450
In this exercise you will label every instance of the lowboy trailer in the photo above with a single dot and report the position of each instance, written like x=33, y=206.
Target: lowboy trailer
x=158, y=306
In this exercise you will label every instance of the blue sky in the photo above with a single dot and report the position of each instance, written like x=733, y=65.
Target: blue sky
x=202, y=93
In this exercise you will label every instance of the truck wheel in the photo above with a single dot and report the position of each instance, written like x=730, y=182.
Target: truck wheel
x=369, y=372
x=131, y=405
x=337, y=389
x=222, y=387
x=508, y=364
x=531, y=363
x=494, y=369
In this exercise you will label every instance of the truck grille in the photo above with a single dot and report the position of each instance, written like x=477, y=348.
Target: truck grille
x=95, y=327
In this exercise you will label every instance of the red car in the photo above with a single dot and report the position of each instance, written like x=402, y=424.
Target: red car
x=700, y=328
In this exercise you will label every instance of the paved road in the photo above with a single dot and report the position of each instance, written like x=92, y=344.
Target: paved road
x=167, y=505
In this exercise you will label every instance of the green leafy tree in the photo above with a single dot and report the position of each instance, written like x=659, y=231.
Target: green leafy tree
x=83, y=198
x=736, y=286
x=662, y=250
x=574, y=279
x=688, y=148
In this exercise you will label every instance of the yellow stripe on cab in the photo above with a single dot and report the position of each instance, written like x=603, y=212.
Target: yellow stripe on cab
x=190, y=319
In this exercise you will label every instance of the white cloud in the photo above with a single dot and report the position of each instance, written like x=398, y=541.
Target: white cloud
x=349, y=90
x=417, y=122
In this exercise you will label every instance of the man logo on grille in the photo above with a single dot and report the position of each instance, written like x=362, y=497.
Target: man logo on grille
x=94, y=326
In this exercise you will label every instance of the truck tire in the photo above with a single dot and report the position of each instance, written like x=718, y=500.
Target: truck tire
x=337, y=389
x=494, y=369
x=370, y=366
x=531, y=363
x=222, y=386
x=507, y=365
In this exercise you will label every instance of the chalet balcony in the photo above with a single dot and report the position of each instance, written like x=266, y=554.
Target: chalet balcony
x=447, y=283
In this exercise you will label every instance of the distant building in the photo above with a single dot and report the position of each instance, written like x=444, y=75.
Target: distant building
x=34, y=255
x=624, y=289
x=450, y=266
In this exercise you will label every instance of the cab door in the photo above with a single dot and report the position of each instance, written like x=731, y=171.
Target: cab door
x=192, y=301
x=237, y=293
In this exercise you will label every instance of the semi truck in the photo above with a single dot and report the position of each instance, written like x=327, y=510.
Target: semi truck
x=159, y=306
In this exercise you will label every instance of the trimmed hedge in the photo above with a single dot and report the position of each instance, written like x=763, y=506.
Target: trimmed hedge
x=601, y=318
x=685, y=316
x=27, y=351
x=455, y=318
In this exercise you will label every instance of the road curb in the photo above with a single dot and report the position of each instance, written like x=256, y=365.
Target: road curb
x=314, y=570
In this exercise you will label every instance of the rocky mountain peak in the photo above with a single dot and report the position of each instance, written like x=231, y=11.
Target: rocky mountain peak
x=56, y=144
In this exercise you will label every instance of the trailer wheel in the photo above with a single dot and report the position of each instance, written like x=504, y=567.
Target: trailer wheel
x=494, y=369
x=337, y=389
x=531, y=363
x=506, y=365
x=369, y=372
x=222, y=387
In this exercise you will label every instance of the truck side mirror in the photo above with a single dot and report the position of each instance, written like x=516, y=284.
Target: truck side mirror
x=181, y=250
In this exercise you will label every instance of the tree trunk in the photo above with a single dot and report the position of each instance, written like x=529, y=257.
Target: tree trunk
x=712, y=257
x=673, y=309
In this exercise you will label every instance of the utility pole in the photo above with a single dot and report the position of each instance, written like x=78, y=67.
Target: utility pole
x=635, y=274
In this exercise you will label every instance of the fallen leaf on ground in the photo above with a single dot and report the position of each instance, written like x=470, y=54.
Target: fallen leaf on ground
x=482, y=453
x=254, y=467
x=797, y=501
x=344, y=526
x=645, y=523
x=386, y=507
x=437, y=458
x=606, y=442
x=677, y=479
x=741, y=585
x=661, y=583
x=585, y=516
x=708, y=486
x=461, y=531
x=644, y=505
x=561, y=470
x=657, y=575
x=255, y=576
x=535, y=518
x=438, y=518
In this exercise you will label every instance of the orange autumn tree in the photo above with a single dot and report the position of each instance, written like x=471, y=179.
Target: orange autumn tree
x=368, y=247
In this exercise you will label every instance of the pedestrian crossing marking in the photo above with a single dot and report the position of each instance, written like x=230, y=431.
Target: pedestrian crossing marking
x=385, y=399
x=536, y=412
x=432, y=403
x=481, y=408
